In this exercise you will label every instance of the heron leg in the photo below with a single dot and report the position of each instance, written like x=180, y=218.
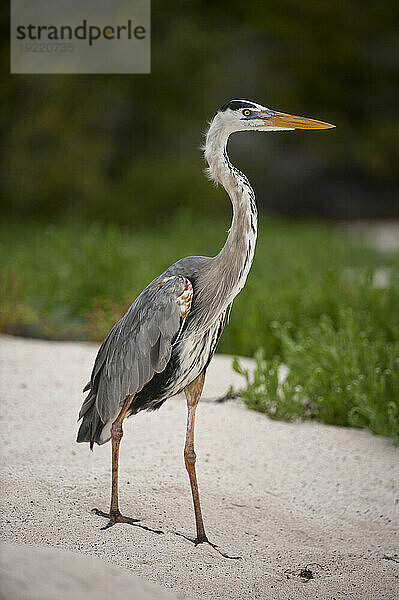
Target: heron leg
x=114, y=514
x=193, y=393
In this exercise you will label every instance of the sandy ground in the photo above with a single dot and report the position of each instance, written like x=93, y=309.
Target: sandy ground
x=282, y=496
x=30, y=573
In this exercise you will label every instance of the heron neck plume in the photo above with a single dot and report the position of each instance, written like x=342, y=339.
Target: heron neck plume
x=235, y=258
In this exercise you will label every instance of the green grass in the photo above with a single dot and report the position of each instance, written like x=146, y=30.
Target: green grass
x=310, y=303
x=340, y=374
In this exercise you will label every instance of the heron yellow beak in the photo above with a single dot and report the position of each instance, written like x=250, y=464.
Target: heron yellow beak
x=279, y=119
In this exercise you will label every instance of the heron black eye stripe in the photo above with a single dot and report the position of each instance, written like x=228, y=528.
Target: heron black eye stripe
x=236, y=105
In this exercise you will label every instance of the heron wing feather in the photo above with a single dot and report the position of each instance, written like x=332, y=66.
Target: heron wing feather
x=140, y=344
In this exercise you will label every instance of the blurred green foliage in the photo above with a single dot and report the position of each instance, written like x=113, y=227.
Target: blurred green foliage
x=125, y=148
x=72, y=280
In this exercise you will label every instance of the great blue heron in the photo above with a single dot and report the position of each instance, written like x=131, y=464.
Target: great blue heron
x=165, y=341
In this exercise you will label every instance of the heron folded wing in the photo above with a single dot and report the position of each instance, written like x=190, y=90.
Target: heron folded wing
x=141, y=343
x=87, y=404
x=153, y=333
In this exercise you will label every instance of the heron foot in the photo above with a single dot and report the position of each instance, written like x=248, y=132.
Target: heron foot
x=204, y=540
x=116, y=517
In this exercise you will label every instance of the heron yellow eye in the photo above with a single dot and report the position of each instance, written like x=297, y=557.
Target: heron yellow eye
x=246, y=112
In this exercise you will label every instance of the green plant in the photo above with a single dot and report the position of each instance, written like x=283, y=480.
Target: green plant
x=343, y=374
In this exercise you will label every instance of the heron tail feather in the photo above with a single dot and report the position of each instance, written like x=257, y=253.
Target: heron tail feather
x=91, y=426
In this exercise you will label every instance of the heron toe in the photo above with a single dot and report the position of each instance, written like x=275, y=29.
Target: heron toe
x=204, y=540
x=114, y=517
x=198, y=541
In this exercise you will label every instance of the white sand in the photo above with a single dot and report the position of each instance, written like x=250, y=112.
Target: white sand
x=282, y=496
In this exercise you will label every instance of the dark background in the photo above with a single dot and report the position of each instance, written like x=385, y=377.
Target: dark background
x=126, y=148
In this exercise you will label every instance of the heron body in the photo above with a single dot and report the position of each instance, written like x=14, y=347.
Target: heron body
x=164, y=342
x=141, y=355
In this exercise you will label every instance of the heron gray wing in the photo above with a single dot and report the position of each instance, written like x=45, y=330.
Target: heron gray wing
x=140, y=343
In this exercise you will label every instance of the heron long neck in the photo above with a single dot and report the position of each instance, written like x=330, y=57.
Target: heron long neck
x=235, y=258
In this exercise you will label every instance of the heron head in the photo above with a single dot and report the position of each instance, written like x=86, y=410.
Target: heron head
x=243, y=115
